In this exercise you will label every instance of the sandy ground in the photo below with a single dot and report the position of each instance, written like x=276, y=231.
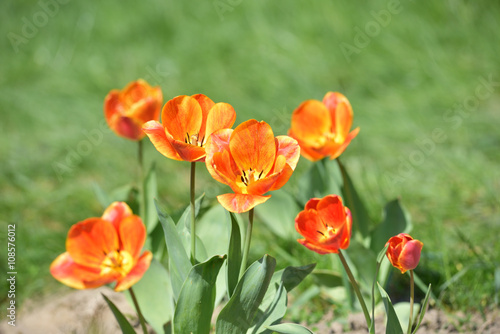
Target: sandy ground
x=85, y=312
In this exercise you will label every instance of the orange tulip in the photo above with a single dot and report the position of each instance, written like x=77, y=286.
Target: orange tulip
x=127, y=110
x=404, y=252
x=251, y=161
x=104, y=250
x=326, y=225
x=322, y=128
x=187, y=123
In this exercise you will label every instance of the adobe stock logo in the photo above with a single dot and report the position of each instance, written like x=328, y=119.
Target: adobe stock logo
x=31, y=26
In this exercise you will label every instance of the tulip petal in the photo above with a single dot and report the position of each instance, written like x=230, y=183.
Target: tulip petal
x=283, y=178
x=219, y=161
x=239, y=203
x=252, y=146
x=182, y=116
x=112, y=105
x=308, y=152
x=312, y=204
x=310, y=122
x=309, y=225
x=338, y=150
x=145, y=110
x=157, y=135
x=331, y=211
x=90, y=240
x=132, y=234
x=289, y=148
x=136, y=273
x=116, y=212
x=340, y=111
x=410, y=256
x=262, y=186
x=189, y=152
x=206, y=104
x=316, y=248
x=76, y=276
x=220, y=116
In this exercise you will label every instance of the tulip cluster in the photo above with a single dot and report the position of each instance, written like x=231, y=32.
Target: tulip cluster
x=253, y=162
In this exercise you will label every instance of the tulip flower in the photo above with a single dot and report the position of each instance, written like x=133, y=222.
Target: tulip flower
x=322, y=128
x=104, y=250
x=251, y=161
x=127, y=110
x=326, y=225
x=187, y=123
x=404, y=252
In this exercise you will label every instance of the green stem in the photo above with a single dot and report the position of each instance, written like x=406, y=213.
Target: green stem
x=412, y=292
x=142, y=195
x=193, y=231
x=356, y=289
x=138, y=309
x=372, y=328
x=248, y=238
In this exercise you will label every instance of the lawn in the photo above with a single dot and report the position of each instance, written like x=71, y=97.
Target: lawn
x=423, y=80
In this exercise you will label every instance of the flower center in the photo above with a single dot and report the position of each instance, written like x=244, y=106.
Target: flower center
x=328, y=232
x=194, y=139
x=249, y=176
x=117, y=262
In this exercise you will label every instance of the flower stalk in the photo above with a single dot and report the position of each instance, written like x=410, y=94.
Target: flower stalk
x=356, y=288
x=193, y=232
x=138, y=309
x=412, y=300
x=246, y=248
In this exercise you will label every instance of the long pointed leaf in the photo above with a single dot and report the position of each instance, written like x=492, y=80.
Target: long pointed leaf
x=393, y=325
x=125, y=326
x=396, y=220
x=233, y=256
x=150, y=193
x=180, y=264
x=290, y=329
x=425, y=304
x=196, y=300
x=238, y=314
x=360, y=218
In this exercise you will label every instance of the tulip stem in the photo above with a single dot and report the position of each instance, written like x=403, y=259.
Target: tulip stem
x=139, y=313
x=356, y=289
x=246, y=248
x=142, y=195
x=193, y=233
x=412, y=292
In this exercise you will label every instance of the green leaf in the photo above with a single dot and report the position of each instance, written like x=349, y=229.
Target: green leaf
x=327, y=278
x=396, y=220
x=125, y=326
x=273, y=305
x=186, y=215
x=179, y=263
x=290, y=329
x=271, y=311
x=150, y=193
x=154, y=295
x=233, y=256
x=393, y=326
x=292, y=276
x=279, y=215
x=312, y=183
x=360, y=219
x=196, y=300
x=425, y=304
x=238, y=314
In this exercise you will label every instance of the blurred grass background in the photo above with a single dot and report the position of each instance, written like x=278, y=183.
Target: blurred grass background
x=421, y=72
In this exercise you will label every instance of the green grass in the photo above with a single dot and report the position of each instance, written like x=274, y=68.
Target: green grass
x=264, y=58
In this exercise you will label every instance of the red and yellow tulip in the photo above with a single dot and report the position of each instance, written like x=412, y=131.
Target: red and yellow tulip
x=104, y=250
x=404, y=252
x=187, y=123
x=322, y=128
x=251, y=161
x=326, y=225
x=127, y=110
